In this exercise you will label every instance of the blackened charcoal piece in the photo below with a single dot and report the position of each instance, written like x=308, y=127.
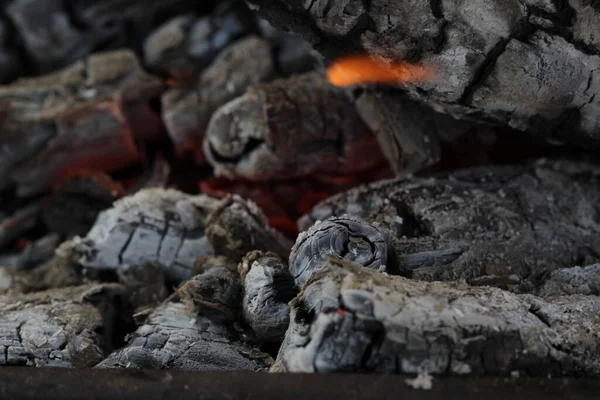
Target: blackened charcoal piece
x=187, y=110
x=86, y=116
x=294, y=55
x=56, y=328
x=343, y=237
x=352, y=319
x=215, y=292
x=145, y=284
x=187, y=44
x=49, y=36
x=531, y=65
x=74, y=206
x=238, y=226
x=17, y=224
x=268, y=288
x=34, y=254
x=153, y=225
x=10, y=65
x=515, y=223
x=290, y=128
x=170, y=339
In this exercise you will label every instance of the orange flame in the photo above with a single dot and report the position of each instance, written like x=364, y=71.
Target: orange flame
x=362, y=69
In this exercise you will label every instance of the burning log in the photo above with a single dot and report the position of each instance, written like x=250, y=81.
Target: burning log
x=59, y=328
x=352, y=319
x=170, y=340
x=503, y=226
x=156, y=225
x=530, y=65
x=290, y=128
x=342, y=237
x=237, y=227
x=87, y=116
x=268, y=288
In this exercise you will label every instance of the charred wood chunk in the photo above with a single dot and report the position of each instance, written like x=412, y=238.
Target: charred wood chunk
x=238, y=226
x=572, y=281
x=56, y=328
x=351, y=319
x=34, y=254
x=145, y=284
x=290, y=128
x=268, y=288
x=187, y=111
x=501, y=224
x=86, y=116
x=187, y=44
x=215, y=293
x=532, y=65
x=153, y=225
x=343, y=237
x=171, y=340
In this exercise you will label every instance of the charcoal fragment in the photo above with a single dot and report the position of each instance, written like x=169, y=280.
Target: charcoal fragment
x=268, y=288
x=343, y=237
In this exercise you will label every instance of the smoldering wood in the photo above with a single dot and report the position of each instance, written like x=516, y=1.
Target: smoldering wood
x=145, y=284
x=216, y=292
x=55, y=328
x=290, y=128
x=187, y=110
x=572, y=281
x=268, y=288
x=343, y=237
x=506, y=226
x=170, y=339
x=352, y=319
x=153, y=225
x=238, y=226
x=88, y=115
x=530, y=65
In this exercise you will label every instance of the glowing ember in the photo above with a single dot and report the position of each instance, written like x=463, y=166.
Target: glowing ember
x=361, y=69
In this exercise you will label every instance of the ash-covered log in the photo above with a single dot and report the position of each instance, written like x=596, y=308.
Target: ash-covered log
x=154, y=225
x=69, y=327
x=352, y=319
x=237, y=227
x=86, y=116
x=171, y=339
x=505, y=226
x=290, y=128
x=532, y=65
x=268, y=288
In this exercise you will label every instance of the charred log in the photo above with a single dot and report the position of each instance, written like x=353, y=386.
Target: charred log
x=60, y=328
x=290, y=128
x=154, y=225
x=268, y=288
x=352, y=319
x=530, y=65
x=171, y=340
x=503, y=226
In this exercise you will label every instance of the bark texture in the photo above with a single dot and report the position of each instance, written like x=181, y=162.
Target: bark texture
x=154, y=225
x=529, y=64
x=352, y=319
x=504, y=226
x=171, y=339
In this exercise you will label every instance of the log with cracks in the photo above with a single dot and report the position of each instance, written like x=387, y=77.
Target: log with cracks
x=504, y=226
x=352, y=319
x=528, y=64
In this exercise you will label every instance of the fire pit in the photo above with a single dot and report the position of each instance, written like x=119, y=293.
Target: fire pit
x=299, y=187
